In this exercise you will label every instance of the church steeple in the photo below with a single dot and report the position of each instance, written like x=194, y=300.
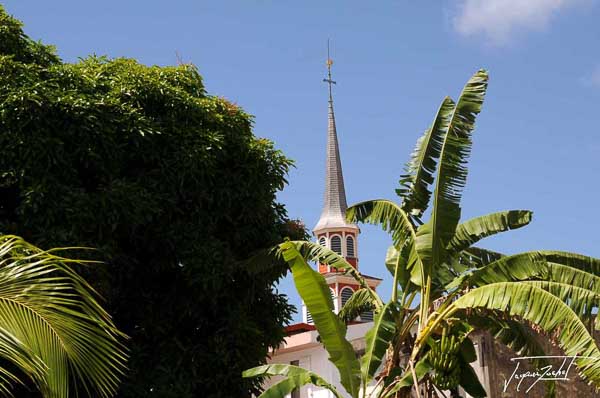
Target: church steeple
x=334, y=206
x=332, y=230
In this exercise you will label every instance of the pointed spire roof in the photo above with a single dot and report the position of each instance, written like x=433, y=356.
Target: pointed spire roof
x=334, y=206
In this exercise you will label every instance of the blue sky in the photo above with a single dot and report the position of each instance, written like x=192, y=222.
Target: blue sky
x=536, y=146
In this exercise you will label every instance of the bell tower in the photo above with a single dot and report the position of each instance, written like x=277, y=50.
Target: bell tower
x=332, y=229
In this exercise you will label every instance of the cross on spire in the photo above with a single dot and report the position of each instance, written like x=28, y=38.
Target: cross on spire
x=329, y=81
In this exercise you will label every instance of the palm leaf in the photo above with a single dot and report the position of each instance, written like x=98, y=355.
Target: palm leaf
x=517, y=267
x=54, y=313
x=377, y=341
x=474, y=230
x=573, y=260
x=396, y=221
x=398, y=267
x=360, y=301
x=541, y=308
x=582, y=301
x=316, y=295
x=312, y=251
x=294, y=377
x=23, y=359
x=476, y=257
x=452, y=172
x=419, y=170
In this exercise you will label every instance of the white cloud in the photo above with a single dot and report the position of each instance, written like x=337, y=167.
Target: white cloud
x=499, y=20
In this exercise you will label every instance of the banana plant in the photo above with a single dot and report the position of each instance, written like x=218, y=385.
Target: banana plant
x=463, y=287
x=444, y=287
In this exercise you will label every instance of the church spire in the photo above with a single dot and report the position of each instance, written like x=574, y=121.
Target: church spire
x=334, y=206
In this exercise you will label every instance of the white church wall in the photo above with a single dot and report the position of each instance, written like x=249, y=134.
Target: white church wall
x=305, y=348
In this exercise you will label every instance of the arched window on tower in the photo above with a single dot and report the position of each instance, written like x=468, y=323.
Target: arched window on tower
x=322, y=241
x=336, y=244
x=346, y=293
x=349, y=246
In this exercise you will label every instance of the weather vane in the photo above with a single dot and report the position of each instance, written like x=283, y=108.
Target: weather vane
x=329, y=63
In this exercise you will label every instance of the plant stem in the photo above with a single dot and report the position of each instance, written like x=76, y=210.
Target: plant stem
x=414, y=375
x=395, y=286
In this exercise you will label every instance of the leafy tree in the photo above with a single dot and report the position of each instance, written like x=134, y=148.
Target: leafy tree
x=172, y=188
x=461, y=287
x=54, y=336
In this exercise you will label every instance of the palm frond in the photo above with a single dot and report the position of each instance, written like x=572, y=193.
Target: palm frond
x=476, y=257
x=583, y=302
x=294, y=377
x=452, y=171
x=312, y=251
x=475, y=229
x=377, y=340
x=573, y=260
x=391, y=218
x=360, y=301
x=414, y=185
x=53, y=312
x=517, y=267
x=541, y=308
x=572, y=276
x=385, y=213
x=23, y=359
x=316, y=295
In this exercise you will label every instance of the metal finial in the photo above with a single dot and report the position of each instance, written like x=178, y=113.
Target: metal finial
x=329, y=81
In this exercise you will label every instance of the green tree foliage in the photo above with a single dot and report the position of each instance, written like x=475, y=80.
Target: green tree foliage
x=172, y=188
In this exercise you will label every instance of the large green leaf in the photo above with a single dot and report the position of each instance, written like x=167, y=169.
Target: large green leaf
x=583, y=301
x=573, y=260
x=294, y=377
x=312, y=251
x=419, y=170
x=393, y=219
x=317, y=297
x=517, y=267
x=577, y=288
x=398, y=267
x=385, y=213
x=541, y=308
x=23, y=359
x=377, y=341
x=54, y=313
x=360, y=301
x=475, y=229
x=476, y=257
x=452, y=172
